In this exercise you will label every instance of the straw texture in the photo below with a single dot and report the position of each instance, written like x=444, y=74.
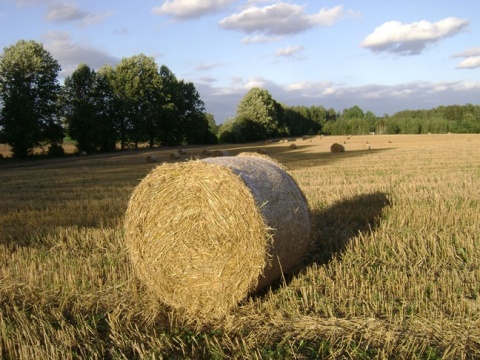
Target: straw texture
x=204, y=234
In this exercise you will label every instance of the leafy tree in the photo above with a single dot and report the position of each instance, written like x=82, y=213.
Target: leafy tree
x=87, y=104
x=194, y=124
x=28, y=91
x=181, y=112
x=259, y=106
x=137, y=84
x=355, y=112
x=212, y=126
x=240, y=130
x=169, y=112
x=300, y=120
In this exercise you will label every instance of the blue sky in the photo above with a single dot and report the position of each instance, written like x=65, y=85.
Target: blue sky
x=384, y=56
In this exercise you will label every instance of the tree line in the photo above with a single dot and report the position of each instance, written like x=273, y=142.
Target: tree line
x=138, y=102
x=132, y=103
x=259, y=116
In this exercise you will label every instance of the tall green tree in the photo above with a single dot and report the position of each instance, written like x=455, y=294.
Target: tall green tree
x=193, y=121
x=28, y=91
x=88, y=110
x=137, y=84
x=259, y=106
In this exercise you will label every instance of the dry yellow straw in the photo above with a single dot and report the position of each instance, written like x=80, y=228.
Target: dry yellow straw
x=202, y=235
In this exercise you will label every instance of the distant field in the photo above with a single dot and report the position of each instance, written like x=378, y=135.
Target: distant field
x=69, y=148
x=395, y=270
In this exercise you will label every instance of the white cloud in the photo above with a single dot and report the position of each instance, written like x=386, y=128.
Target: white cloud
x=281, y=19
x=70, y=54
x=470, y=62
x=254, y=39
x=475, y=51
x=70, y=12
x=188, y=9
x=290, y=51
x=471, y=58
x=412, y=38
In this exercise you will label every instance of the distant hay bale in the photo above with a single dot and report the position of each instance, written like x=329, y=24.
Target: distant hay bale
x=174, y=156
x=206, y=152
x=82, y=153
x=336, y=148
x=218, y=153
x=204, y=234
x=293, y=146
x=152, y=159
x=182, y=151
x=262, y=151
x=367, y=146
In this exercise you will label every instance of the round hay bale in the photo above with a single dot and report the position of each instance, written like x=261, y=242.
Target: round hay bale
x=293, y=146
x=204, y=234
x=218, y=153
x=174, y=156
x=336, y=148
x=262, y=151
x=206, y=152
x=182, y=151
x=152, y=159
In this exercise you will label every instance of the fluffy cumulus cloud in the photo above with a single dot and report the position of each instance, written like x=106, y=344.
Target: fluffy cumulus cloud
x=471, y=58
x=412, y=38
x=70, y=54
x=60, y=12
x=188, y=9
x=281, y=19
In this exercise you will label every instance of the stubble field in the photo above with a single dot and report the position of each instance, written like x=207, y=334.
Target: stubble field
x=394, y=271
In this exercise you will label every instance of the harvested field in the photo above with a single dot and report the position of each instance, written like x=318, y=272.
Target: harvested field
x=394, y=271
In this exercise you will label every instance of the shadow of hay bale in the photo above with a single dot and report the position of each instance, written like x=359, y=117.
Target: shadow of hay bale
x=337, y=224
x=334, y=227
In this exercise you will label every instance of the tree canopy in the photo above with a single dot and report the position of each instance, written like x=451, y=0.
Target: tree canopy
x=28, y=92
x=88, y=108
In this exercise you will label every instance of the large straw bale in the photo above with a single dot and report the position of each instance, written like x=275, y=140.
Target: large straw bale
x=336, y=148
x=204, y=234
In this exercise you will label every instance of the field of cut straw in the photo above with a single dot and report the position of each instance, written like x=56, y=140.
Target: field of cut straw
x=394, y=271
